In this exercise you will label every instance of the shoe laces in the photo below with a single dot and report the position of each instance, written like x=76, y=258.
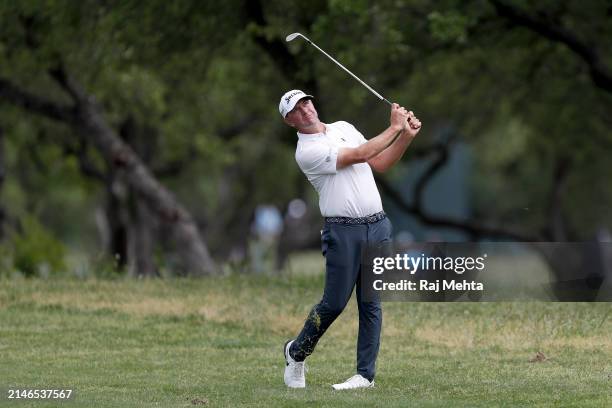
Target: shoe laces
x=299, y=367
x=357, y=378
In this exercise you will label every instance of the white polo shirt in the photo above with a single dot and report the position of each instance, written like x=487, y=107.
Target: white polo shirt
x=348, y=192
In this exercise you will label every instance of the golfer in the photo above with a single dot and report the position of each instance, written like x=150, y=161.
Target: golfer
x=338, y=162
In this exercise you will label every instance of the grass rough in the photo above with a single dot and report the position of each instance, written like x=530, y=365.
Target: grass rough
x=217, y=342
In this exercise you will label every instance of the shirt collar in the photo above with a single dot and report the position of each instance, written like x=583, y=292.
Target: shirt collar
x=306, y=136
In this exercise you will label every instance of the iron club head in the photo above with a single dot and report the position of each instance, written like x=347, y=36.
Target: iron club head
x=292, y=37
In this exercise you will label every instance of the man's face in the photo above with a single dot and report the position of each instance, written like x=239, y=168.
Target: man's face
x=303, y=115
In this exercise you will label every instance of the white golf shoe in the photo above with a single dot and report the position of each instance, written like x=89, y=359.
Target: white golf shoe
x=294, y=370
x=356, y=381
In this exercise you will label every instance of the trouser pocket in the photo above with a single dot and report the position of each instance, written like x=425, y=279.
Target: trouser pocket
x=325, y=239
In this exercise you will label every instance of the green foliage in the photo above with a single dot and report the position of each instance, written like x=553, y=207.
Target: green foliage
x=35, y=251
x=358, y=7
x=448, y=27
x=6, y=260
x=188, y=72
x=104, y=267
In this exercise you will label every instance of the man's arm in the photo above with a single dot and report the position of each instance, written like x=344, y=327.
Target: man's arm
x=361, y=154
x=390, y=156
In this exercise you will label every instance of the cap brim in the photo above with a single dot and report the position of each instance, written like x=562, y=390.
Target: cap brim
x=292, y=104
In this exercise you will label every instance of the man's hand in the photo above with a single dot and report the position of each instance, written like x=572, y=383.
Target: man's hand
x=399, y=118
x=413, y=125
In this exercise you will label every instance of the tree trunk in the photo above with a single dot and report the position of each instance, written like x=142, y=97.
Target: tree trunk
x=2, y=175
x=579, y=269
x=120, y=156
x=141, y=229
x=142, y=242
x=89, y=120
x=117, y=221
x=87, y=117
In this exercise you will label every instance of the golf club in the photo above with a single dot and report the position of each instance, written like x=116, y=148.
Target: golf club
x=293, y=36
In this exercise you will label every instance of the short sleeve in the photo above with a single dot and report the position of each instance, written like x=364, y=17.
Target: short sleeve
x=317, y=159
x=354, y=132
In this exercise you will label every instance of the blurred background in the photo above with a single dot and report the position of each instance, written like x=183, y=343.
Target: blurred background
x=143, y=138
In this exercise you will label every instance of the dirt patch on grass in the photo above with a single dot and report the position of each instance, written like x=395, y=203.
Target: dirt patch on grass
x=469, y=335
x=539, y=357
x=218, y=307
x=143, y=306
x=599, y=343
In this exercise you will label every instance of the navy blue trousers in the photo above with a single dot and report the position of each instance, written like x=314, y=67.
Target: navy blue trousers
x=341, y=246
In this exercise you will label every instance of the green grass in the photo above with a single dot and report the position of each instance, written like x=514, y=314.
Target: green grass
x=129, y=343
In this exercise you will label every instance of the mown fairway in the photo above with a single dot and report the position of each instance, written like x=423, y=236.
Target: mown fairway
x=217, y=343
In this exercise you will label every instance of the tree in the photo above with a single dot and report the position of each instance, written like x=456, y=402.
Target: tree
x=88, y=121
x=2, y=176
x=171, y=81
x=191, y=87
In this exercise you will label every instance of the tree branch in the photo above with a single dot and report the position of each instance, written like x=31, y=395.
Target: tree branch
x=19, y=97
x=230, y=132
x=557, y=228
x=600, y=74
x=85, y=163
x=473, y=228
x=68, y=84
x=276, y=48
x=2, y=169
x=439, y=162
x=418, y=208
x=90, y=121
x=2, y=178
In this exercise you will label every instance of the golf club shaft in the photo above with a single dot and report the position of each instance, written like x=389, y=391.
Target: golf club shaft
x=379, y=96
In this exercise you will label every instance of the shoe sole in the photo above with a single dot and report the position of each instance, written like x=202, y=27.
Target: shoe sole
x=354, y=388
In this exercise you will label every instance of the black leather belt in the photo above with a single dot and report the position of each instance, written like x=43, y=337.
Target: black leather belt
x=368, y=219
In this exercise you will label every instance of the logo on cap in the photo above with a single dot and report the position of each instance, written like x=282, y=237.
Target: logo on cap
x=288, y=98
x=286, y=103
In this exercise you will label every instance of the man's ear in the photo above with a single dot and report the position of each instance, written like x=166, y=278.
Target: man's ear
x=287, y=121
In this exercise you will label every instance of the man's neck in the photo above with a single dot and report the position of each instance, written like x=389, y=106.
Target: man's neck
x=316, y=128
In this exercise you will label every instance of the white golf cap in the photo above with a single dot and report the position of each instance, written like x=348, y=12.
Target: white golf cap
x=289, y=99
